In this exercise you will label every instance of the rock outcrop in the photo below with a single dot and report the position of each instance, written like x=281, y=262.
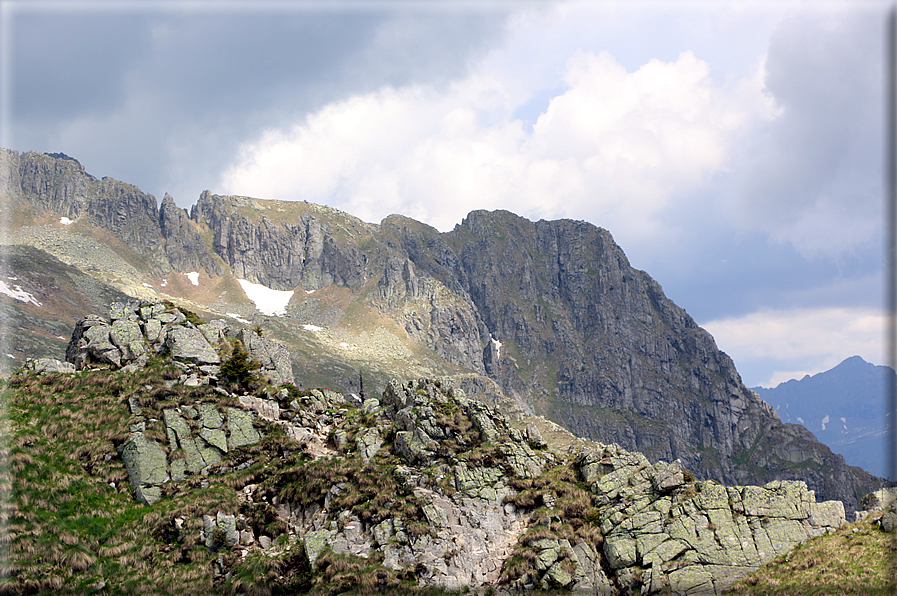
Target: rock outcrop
x=272, y=356
x=137, y=329
x=41, y=365
x=881, y=507
x=695, y=537
x=199, y=435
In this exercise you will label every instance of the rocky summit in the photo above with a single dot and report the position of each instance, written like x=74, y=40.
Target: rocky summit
x=239, y=482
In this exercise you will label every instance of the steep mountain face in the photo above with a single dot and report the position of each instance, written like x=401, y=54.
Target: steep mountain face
x=59, y=185
x=282, y=254
x=593, y=344
x=552, y=311
x=184, y=247
x=842, y=407
x=40, y=299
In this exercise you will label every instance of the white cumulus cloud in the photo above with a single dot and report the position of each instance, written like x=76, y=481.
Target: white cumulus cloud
x=613, y=146
x=818, y=337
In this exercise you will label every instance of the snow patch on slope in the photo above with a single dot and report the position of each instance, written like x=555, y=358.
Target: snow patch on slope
x=193, y=276
x=267, y=301
x=19, y=294
x=497, y=345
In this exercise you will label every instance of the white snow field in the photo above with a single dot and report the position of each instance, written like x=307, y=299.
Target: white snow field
x=267, y=301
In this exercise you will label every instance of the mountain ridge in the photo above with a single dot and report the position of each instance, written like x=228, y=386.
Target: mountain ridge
x=551, y=310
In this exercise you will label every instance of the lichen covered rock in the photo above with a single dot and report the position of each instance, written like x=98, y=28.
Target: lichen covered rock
x=147, y=467
x=190, y=345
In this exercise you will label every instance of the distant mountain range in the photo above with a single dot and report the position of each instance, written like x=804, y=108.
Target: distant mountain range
x=844, y=408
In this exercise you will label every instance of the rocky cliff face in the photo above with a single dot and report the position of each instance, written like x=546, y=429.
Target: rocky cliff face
x=616, y=360
x=60, y=185
x=184, y=246
x=551, y=310
x=258, y=245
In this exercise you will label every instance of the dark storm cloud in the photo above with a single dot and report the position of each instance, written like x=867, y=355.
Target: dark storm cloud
x=67, y=66
x=821, y=157
x=162, y=100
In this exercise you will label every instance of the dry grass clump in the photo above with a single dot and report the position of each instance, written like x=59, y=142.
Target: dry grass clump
x=348, y=574
x=521, y=567
x=858, y=559
x=373, y=491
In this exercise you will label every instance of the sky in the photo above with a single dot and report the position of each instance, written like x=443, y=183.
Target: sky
x=733, y=149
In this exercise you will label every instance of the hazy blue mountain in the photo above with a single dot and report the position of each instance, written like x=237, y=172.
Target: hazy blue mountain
x=844, y=407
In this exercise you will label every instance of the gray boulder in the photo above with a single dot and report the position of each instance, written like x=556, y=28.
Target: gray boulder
x=889, y=519
x=91, y=343
x=879, y=499
x=274, y=357
x=42, y=365
x=368, y=443
x=190, y=345
x=240, y=428
x=220, y=531
x=128, y=338
x=215, y=330
x=147, y=467
x=152, y=329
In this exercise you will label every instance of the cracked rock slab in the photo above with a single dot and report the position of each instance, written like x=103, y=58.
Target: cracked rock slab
x=147, y=466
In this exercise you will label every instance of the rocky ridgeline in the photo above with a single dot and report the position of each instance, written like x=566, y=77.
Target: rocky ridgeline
x=467, y=499
x=425, y=478
x=494, y=507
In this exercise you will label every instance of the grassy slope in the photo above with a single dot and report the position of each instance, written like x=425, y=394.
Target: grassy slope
x=72, y=520
x=858, y=559
x=73, y=526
